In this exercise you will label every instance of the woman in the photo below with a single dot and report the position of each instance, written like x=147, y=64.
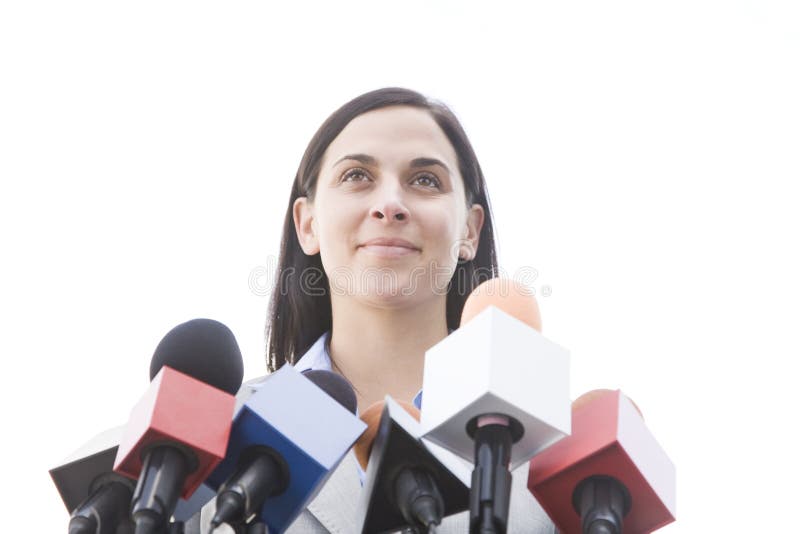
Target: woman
x=387, y=231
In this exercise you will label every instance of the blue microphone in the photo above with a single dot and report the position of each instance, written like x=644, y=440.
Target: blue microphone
x=285, y=441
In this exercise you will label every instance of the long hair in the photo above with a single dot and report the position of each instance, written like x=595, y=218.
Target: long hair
x=300, y=308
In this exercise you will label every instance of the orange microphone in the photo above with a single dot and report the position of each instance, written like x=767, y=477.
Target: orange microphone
x=512, y=297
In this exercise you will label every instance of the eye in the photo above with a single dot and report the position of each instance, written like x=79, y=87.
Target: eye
x=428, y=180
x=354, y=175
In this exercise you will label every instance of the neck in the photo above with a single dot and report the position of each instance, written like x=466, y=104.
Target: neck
x=381, y=350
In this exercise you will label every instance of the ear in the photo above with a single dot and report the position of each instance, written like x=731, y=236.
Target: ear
x=305, y=225
x=470, y=241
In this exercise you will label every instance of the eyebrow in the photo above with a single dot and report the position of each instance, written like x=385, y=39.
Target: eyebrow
x=416, y=162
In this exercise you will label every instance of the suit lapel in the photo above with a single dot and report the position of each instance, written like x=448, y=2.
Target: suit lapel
x=335, y=504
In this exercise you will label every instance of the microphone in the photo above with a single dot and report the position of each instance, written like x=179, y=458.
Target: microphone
x=497, y=393
x=88, y=473
x=610, y=475
x=408, y=484
x=178, y=432
x=97, y=498
x=285, y=441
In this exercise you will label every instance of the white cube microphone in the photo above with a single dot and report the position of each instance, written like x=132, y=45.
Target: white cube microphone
x=496, y=364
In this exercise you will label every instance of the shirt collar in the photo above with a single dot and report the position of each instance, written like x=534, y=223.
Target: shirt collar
x=317, y=358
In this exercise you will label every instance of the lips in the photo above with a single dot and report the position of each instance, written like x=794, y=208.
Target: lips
x=389, y=242
x=389, y=247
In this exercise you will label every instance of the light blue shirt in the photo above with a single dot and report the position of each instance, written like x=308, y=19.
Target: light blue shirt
x=317, y=358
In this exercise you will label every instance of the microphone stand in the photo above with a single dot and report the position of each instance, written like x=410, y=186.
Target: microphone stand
x=257, y=527
x=490, y=492
x=254, y=527
x=413, y=530
x=602, y=502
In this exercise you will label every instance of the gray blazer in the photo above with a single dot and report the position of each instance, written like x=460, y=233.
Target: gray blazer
x=334, y=509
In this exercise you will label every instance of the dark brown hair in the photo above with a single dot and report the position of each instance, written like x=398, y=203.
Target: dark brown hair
x=300, y=309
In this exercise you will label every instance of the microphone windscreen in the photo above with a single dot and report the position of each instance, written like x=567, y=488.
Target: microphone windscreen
x=589, y=396
x=203, y=349
x=514, y=298
x=335, y=386
x=372, y=417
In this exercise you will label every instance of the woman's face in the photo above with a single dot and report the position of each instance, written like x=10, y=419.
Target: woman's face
x=389, y=217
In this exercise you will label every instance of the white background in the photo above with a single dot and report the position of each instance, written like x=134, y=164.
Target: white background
x=641, y=156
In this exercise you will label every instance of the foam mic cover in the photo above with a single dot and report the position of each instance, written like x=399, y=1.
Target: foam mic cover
x=372, y=418
x=97, y=498
x=497, y=363
x=335, y=386
x=512, y=297
x=178, y=432
x=285, y=441
x=204, y=349
x=408, y=483
x=609, y=451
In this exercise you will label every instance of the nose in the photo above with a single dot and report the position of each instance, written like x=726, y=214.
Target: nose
x=389, y=206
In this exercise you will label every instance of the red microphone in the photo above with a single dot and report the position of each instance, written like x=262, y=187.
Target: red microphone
x=178, y=432
x=610, y=475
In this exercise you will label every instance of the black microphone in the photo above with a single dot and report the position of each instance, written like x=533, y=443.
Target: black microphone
x=105, y=509
x=335, y=386
x=408, y=483
x=97, y=498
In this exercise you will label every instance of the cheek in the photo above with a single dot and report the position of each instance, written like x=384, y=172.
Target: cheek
x=442, y=228
x=337, y=225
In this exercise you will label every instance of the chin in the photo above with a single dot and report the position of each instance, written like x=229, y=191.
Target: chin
x=396, y=302
x=390, y=284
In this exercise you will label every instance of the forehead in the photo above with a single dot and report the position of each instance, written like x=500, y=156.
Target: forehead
x=393, y=134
